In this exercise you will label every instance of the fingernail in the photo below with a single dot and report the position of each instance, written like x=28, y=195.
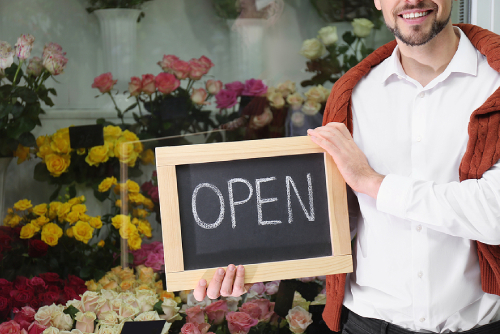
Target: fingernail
x=220, y=271
x=203, y=282
x=230, y=268
x=240, y=268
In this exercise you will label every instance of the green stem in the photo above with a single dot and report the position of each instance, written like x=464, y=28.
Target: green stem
x=120, y=114
x=17, y=72
x=139, y=105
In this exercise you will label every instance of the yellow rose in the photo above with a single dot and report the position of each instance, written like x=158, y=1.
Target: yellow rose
x=81, y=151
x=312, y=49
x=40, y=209
x=295, y=100
x=69, y=232
x=144, y=227
x=101, y=243
x=91, y=285
x=22, y=205
x=141, y=213
x=63, y=210
x=133, y=187
x=126, y=285
x=111, y=148
x=107, y=183
x=57, y=164
x=120, y=220
x=286, y=88
x=83, y=231
x=60, y=141
x=148, y=157
x=135, y=221
x=77, y=200
x=7, y=218
x=148, y=203
x=95, y=222
x=127, y=229
x=40, y=221
x=311, y=107
x=316, y=94
x=129, y=136
x=112, y=132
x=72, y=217
x=22, y=153
x=136, y=198
x=362, y=27
x=97, y=155
x=28, y=231
x=328, y=35
x=118, y=203
x=124, y=151
x=44, y=150
x=53, y=208
x=134, y=242
x=276, y=100
x=80, y=208
x=51, y=234
x=147, y=275
x=85, y=217
x=41, y=140
x=118, y=188
x=13, y=221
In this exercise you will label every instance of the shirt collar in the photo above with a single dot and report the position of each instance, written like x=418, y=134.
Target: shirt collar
x=464, y=60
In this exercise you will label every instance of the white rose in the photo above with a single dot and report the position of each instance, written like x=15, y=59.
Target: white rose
x=109, y=294
x=295, y=100
x=147, y=316
x=326, y=92
x=147, y=303
x=6, y=55
x=297, y=119
x=276, y=100
x=316, y=94
x=328, y=35
x=362, y=27
x=170, y=309
x=286, y=88
x=312, y=49
x=260, y=121
x=51, y=330
x=319, y=300
x=298, y=319
x=61, y=320
x=108, y=329
x=24, y=45
x=44, y=314
x=311, y=108
x=144, y=293
x=108, y=318
x=232, y=303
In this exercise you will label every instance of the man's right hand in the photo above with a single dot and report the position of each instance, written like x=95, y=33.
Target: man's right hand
x=224, y=283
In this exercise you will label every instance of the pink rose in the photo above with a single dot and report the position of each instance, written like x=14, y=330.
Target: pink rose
x=216, y=312
x=135, y=86
x=240, y=322
x=190, y=328
x=197, y=69
x=52, y=48
x=85, y=322
x=206, y=62
x=148, y=84
x=10, y=327
x=35, y=67
x=24, y=45
x=166, y=83
x=140, y=256
x=251, y=309
x=36, y=328
x=199, y=96
x=213, y=86
x=55, y=63
x=226, y=99
x=181, y=69
x=259, y=288
x=236, y=87
x=89, y=301
x=260, y=121
x=24, y=317
x=104, y=82
x=155, y=261
x=298, y=319
x=266, y=307
x=254, y=87
x=195, y=315
x=167, y=61
x=272, y=287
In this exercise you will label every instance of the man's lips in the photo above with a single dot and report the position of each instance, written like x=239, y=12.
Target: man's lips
x=415, y=16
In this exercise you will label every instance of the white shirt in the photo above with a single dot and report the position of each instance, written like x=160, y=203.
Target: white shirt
x=416, y=264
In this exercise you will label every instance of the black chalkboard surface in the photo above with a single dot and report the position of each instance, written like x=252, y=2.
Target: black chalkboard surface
x=274, y=204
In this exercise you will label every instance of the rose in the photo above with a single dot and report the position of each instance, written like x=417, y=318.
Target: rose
x=298, y=300
x=254, y=87
x=51, y=234
x=286, y=88
x=22, y=297
x=52, y=48
x=24, y=45
x=153, y=193
x=22, y=205
x=197, y=69
x=6, y=55
x=240, y=322
x=266, y=308
x=83, y=231
x=316, y=94
x=135, y=86
x=90, y=301
x=49, y=297
x=295, y=100
x=232, y=303
x=170, y=309
x=236, y=87
x=24, y=317
x=311, y=108
x=167, y=61
x=85, y=321
x=312, y=49
x=35, y=67
x=37, y=248
x=226, y=99
x=50, y=278
x=51, y=330
x=36, y=328
x=55, y=63
x=190, y=328
x=259, y=121
x=181, y=69
x=155, y=261
x=307, y=279
x=104, y=82
x=213, y=86
x=21, y=283
x=148, y=84
x=125, y=152
x=127, y=311
x=147, y=316
x=251, y=309
x=199, y=96
x=63, y=321
x=362, y=27
x=206, y=62
x=272, y=287
x=298, y=319
x=276, y=100
x=109, y=317
x=70, y=293
x=328, y=35
x=195, y=315
x=259, y=288
x=166, y=83
x=57, y=164
x=216, y=312
x=10, y=327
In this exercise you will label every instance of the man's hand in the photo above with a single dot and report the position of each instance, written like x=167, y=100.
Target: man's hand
x=351, y=162
x=224, y=283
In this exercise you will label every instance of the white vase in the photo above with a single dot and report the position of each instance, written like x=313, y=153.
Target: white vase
x=119, y=43
x=4, y=164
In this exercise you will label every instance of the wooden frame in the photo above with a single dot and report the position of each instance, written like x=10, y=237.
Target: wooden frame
x=168, y=157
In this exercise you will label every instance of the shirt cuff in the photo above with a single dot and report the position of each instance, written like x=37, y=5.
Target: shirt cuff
x=393, y=195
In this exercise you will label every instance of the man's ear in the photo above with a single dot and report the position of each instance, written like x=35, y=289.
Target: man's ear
x=377, y=4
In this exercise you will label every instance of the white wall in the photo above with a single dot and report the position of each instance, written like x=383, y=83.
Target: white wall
x=486, y=14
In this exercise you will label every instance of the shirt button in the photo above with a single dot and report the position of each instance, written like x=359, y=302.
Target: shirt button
x=419, y=228
x=419, y=138
x=421, y=95
x=422, y=319
x=420, y=274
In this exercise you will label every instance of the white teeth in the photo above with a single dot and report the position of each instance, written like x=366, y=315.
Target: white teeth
x=415, y=15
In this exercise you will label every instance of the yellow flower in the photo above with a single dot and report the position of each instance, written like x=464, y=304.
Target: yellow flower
x=141, y=213
x=148, y=203
x=97, y=155
x=7, y=218
x=80, y=208
x=166, y=294
x=44, y=150
x=118, y=203
x=96, y=222
x=136, y=198
x=80, y=151
x=124, y=151
x=41, y=140
x=147, y=275
x=132, y=186
x=22, y=205
x=112, y=133
x=85, y=218
x=148, y=157
x=40, y=221
x=40, y=209
x=72, y=217
x=107, y=183
x=144, y=227
x=63, y=210
x=51, y=234
x=60, y=141
x=126, y=285
x=57, y=164
x=22, y=153
x=28, y=231
x=69, y=232
x=13, y=221
x=77, y=200
x=53, y=208
x=118, y=188
x=120, y=220
x=101, y=243
x=83, y=231
x=135, y=221
x=126, y=230
x=91, y=285
x=134, y=242
x=129, y=136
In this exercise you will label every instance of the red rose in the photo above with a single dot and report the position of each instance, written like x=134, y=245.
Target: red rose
x=167, y=61
x=5, y=307
x=36, y=328
x=21, y=283
x=49, y=298
x=5, y=284
x=104, y=82
x=70, y=294
x=206, y=62
x=37, y=283
x=226, y=99
x=24, y=317
x=254, y=87
x=5, y=240
x=50, y=278
x=75, y=280
x=181, y=69
x=80, y=290
x=166, y=83
x=198, y=69
x=146, y=186
x=37, y=248
x=22, y=297
x=153, y=193
x=35, y=303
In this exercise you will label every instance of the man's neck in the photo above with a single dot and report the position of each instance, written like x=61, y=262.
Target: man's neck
x=424, y=63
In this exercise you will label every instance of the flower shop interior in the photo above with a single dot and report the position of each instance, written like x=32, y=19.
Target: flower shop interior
x=90, y=88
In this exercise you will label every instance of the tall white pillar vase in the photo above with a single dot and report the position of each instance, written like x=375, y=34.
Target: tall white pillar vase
x=4, y=164
x=119, y=42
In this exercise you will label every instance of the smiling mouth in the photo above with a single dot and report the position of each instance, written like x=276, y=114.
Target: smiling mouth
x=415, y=15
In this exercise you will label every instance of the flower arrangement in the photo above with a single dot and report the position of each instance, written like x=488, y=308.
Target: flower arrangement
x=150, y=255
x=29, y=294
x=328, y=59
x=21, y=91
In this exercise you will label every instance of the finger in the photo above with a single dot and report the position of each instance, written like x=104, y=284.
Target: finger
x=327, y=145
x=239, y=282
x=227, y=283
x=213, y=290
x=200, y=291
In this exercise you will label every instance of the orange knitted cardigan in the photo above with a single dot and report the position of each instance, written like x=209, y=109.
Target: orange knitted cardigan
x=483, y=151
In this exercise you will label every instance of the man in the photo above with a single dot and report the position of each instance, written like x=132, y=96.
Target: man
x=423, y=164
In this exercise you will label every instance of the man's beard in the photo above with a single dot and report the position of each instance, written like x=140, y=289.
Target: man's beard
x=417, y=37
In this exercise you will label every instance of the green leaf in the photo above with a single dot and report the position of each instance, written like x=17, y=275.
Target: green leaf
x=4, y=110
x=26, y=94
x=136, y=117
x=343, y=49
x=72, y=191
x=27, y=139
x=101, y=196
x=348, y=37
x=157, y=307
x=135, y=171
x=19, y=126
x=15, y=109
x=130, y=107
x=85, y=273
x=52, y=91
x=72, y=311
x=130, y=258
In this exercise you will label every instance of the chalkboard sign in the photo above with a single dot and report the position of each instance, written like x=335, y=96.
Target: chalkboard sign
x=277, y=206
x=86, y=136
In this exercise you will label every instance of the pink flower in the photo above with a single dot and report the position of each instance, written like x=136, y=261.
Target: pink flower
x=104, y=82
x=272, y=287
x=24, y=45
x=24, y=317
x=266, y=308
x=10, y=327
x=52, y=48
x=197, y=69
x=254, y=87
x=251, y=309
x=213, y=86
x=236, y=87
x=216, y=312
x=190, y=328
x=307, y=279
x=85, y=321
x=226, y=99
x=35, y=67
x=135, y=86
x=181, y=69
x=89, y=301
x=36, y=328
x=55, y=63
x=155, y=261
x=148, y=84
x=199, y=96
x=260, y=121
x=195, y=315
x=240, y=322
x=166, y=83
x=206, y=62
x=259, y=288
x=167, y=61
x=298, y=319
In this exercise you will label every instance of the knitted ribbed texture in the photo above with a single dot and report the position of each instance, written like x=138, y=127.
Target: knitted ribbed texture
x=483, y=151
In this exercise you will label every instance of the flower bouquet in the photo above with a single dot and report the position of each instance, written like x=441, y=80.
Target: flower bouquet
x=21, y=91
